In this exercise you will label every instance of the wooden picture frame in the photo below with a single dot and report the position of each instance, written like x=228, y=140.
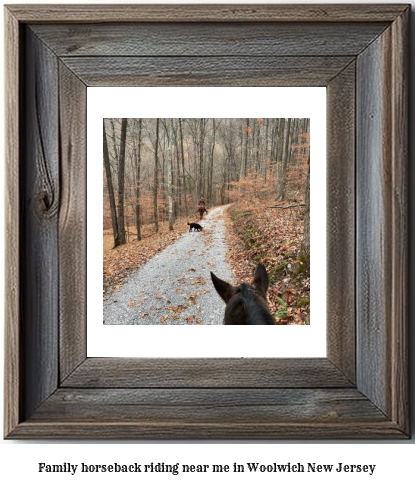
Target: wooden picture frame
x=360, y=53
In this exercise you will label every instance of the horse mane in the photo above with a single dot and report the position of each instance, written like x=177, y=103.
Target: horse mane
x=246, y=305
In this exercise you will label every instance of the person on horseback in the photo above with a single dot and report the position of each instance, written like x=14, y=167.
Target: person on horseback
x=202, y=207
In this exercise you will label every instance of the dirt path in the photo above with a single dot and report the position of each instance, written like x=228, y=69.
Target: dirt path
x=174, y=287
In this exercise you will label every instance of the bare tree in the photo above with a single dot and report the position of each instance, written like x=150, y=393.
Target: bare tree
x=183, y=170
x=258, y=138
x=169, y=129
x=305, y=244
x=121, y=183
x=282, y=164
x=210, y=171
x=110, y=186
x=137, y=161
x=244, y=169
x=156, y=179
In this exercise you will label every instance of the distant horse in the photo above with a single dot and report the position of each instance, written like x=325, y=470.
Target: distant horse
x=202, y=209
x=245, y=304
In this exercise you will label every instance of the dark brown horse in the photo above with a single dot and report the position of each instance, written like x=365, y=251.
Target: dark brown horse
x=245, y=304
x=202, y=209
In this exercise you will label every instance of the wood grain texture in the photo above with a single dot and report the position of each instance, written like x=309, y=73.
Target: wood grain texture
x=373, y=223
x=341, y=236
x=209, y=405
x=13, y=382
x=40, y=203
x=149, y=430
x=382, y=223
x=243, y=427
x=206, y=373
x=72, y=222
x=197, y=39
x=206, y=71
x=400, y=262
x=371, y=308
x=206, y=13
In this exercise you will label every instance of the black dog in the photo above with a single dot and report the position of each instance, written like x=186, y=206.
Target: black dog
x=195, y=226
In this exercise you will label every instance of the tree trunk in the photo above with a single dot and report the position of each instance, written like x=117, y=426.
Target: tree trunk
x=156, y=179
x=178, y=182
x=114, y=139
x=239, y=167
x=258, y=138
x=282, y=166
x=169, y=127
x=137, y=181
x=265, y=155
x=110, y=187
x=245, y=166
x=183, y=171
x=305, y=244
x=121, y=183
x=211, y=163
x=201, y=154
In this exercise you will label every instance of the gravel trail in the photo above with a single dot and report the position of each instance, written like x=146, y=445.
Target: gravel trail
x=174, y=287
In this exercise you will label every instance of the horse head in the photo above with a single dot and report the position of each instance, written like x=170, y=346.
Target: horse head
x=245, y=304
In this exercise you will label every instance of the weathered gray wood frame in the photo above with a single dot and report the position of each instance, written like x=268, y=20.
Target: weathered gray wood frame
x=359, y=52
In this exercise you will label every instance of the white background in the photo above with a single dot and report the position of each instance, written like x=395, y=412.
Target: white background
x=18, y=460
x=202, y=341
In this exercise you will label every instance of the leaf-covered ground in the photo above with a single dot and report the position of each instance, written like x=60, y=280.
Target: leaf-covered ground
x=175, y=287
x=255, y=233
x=271, y=236
x=119, y=263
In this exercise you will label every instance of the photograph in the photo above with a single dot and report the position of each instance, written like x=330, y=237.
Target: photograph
x=206, y=221
x=197, y=234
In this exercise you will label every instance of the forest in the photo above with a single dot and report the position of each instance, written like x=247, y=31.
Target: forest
x=157, y=170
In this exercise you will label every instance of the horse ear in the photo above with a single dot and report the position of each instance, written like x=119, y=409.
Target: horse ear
x=224, y=289
x=261, y=280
